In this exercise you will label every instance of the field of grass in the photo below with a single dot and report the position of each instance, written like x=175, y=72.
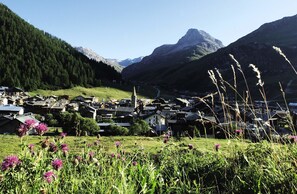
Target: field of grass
x=11, y=144
x=145, y=165
x=100, y=92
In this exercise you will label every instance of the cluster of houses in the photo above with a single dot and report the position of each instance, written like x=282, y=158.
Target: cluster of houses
x=182, y=116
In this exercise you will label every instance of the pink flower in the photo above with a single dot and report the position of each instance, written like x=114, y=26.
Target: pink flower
x=63, y=135
x=41, y=128
x=22, y=131
x=238, y=131
x=112, y=155
x=217, y=147
x=134, y=163
x=30, y=123
x=119, y=156
x=10, y=162
x=53, y=147
x=57, y=164
x=49, y=176
x=64, y=147
x=117, y=144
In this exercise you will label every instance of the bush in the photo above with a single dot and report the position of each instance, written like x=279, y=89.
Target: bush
x=139, y=127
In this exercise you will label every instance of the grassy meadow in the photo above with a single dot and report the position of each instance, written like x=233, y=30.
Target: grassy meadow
x=100, y=92
x=11, y=144
x=35, y=164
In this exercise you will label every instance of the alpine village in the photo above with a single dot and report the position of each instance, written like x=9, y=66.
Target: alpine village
x=192, y=117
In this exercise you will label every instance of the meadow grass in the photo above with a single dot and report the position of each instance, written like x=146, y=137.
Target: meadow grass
x=11, y=144
x=146, y=165
x=100, y=92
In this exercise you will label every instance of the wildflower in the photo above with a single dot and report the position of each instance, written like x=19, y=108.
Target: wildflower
x=57, y=164
x=91, y=154
x=238, y=131
x=117, y=144
x=217, y=147
x=112, y=155
x=190, y=146
x=64, y=147
x=30, y=123
x=49, y=176
x=41, y=128
x=63, y=135
x=77, y=160
x=10, y=162
x=22, y=131
x=53, y=147
x=134, y=163
x=31, y=147
x=119, y=156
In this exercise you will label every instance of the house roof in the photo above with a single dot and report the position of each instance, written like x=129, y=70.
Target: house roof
x=10, y=108
x=23, y=118
x=118, y=124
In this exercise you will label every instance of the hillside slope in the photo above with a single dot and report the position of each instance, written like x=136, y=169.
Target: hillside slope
x=31, y=58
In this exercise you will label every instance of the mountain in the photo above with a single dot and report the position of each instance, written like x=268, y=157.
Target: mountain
x=127, y=62
x=31, y=58
x=254, y=48
x=93, y=55
x=168, y=57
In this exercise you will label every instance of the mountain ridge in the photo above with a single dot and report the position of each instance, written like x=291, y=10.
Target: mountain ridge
x=194, y=44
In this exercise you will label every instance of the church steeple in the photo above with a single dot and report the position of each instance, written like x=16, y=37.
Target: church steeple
x=134, y=98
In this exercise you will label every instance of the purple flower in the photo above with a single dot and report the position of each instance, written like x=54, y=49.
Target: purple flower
x=134, y=163
x=53, y=147
x=57, y=164
x=190, y=146
x=49, y=176
x=63, y=135
x=217, y=147
x=112, y=155
x=118, y=156
x=30, y=123
x=22, y=131
x=10, y=162
x=117, y=144
x=238, y=131
x=41, y=128
x=64, y=147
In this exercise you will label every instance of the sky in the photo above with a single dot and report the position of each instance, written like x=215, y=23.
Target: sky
x=120, y=29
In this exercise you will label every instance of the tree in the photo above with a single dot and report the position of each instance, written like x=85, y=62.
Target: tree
x=139, y=127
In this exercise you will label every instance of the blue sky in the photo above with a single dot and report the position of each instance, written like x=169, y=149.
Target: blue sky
x=132, y=28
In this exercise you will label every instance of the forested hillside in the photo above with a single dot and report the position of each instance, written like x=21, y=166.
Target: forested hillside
x=31, y=58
